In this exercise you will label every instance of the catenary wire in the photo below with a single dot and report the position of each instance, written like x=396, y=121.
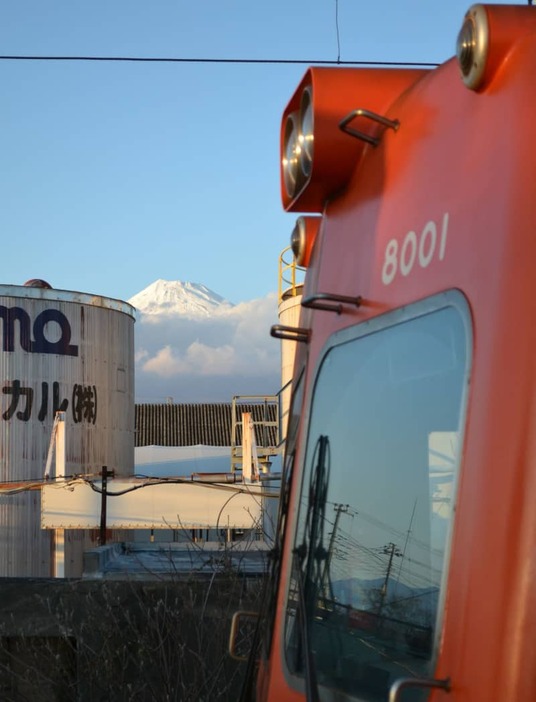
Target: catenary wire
x=165, y=59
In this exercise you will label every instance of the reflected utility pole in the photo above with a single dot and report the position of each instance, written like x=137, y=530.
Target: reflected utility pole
x=340, y=509
x=390, y=550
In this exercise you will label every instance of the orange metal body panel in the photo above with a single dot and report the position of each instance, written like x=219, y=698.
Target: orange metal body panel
x=467, y=162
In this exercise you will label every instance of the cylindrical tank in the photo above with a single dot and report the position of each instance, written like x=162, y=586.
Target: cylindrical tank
x=290, y=296
x=59, y=351
x=289, y=315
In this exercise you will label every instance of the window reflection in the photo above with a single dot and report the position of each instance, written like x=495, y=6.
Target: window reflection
x=373, y=524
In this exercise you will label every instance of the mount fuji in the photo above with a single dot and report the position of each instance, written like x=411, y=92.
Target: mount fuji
x=193, y=345
x=173, y=297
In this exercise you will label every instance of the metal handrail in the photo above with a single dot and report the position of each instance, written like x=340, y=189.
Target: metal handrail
x=290, y=276
x=265, y=447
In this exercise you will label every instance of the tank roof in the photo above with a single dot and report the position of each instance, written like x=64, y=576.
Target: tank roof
x=53, y=295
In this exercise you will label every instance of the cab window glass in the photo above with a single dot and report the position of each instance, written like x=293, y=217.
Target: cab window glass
x=377, y=500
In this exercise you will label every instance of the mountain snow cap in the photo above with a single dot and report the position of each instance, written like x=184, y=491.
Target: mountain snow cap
x=174, y=297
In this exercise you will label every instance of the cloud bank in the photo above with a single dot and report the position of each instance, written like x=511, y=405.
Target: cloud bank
x=208, y=359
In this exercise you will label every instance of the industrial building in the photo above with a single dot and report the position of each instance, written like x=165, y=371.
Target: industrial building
x=71, y=354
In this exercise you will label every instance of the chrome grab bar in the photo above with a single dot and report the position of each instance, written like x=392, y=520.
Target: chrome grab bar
x=401, y=683
x=374, y=117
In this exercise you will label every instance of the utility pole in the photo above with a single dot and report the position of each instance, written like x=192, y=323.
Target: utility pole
x=105, y=474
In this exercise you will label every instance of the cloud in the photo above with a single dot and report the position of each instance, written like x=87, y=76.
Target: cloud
x=208, y=359
x=198, y=359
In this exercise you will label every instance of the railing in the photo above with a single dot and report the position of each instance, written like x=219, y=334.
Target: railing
x=290, y=276
x=265, y=412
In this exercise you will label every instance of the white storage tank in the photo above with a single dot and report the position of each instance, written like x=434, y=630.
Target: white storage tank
x=59, y=351
x=289, y=315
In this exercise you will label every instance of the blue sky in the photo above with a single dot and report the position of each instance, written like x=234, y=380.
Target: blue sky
x=113, y=175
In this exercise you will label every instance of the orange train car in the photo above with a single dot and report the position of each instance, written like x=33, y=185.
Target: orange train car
x=405, y=562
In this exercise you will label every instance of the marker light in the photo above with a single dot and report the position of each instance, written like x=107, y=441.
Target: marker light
x=303, y=238
x=472, y=46
x=487, y=37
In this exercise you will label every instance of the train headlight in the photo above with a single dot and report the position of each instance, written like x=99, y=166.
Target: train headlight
x=472, y=46
x=297, y=241
x=306, y=134
x=303, y=238
x=291, y=156
x=318, y=158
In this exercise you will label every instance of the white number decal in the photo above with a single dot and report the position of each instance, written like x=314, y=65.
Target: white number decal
x=390, y=262
x=408, y=259
x=414, y=248
x=428, y=239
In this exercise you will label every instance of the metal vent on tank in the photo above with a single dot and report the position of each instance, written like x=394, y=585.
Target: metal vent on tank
x=37, y=283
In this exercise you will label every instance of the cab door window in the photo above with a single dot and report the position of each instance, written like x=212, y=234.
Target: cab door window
x=377, y=497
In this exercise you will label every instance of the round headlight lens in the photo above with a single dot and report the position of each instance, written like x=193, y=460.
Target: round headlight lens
x=297, y=241
x=466, y=45
x=472, y=46
x=291, y=153
x=306, y=135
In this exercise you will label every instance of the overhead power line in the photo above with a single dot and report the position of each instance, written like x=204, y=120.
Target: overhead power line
x=165, y=59
x=337, y=30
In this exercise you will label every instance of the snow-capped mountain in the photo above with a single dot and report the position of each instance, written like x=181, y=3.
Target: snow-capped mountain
x=173, y=297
